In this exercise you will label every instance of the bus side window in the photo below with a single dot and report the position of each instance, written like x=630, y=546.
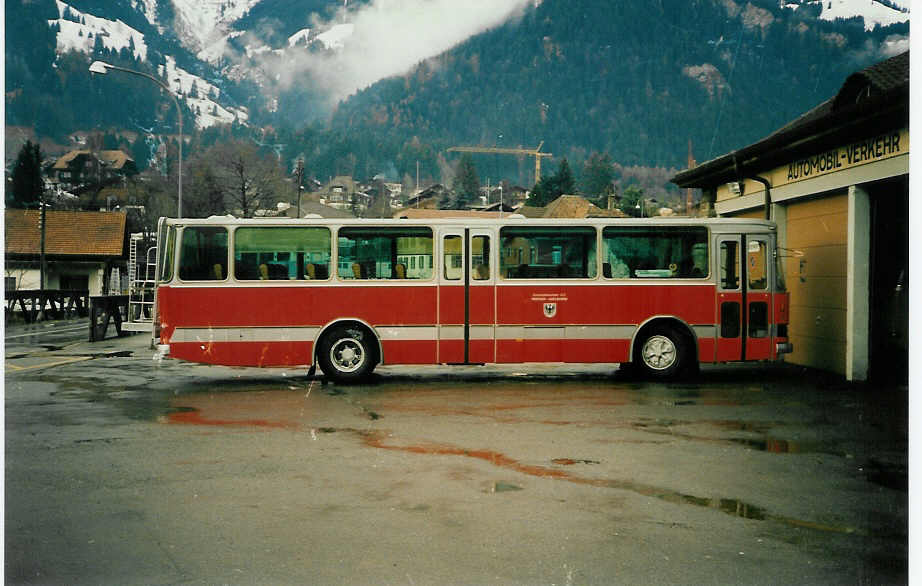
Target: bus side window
x=545, y=252
x=480, y=258
x=281, y=253
x=756, y=261
x=376, y=252
x=729, y=265
x=662, y=252
x=203, y=254
x=451, y=258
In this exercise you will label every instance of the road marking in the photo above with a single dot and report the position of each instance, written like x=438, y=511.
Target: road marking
x=48, y=364
x=49, y=331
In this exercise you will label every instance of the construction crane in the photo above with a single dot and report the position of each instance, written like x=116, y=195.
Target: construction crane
x=536, y=153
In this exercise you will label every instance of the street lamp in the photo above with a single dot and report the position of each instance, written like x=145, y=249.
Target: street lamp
x=642, y=204
x=101, y=67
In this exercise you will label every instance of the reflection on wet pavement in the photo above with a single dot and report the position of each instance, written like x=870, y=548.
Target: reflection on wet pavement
x=517, y=403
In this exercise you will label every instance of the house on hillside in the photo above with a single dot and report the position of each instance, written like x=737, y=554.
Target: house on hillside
x=428, y=198
x=315, y=208
x=509, y=195
x=82, y=249
x=80, y=167
x=344, y=193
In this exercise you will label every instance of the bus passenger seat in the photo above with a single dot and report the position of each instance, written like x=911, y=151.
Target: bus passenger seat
x=218, y=272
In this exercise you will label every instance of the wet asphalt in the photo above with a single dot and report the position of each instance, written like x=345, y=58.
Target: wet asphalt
x=122, y=468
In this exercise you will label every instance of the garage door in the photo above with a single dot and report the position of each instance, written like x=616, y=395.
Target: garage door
x=816, y=278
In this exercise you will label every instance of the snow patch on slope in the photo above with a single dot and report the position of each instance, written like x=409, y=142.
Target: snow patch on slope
x=200, y=96
x=335, y=38
x=874, y=13
x=82, y=35
x=203, y=25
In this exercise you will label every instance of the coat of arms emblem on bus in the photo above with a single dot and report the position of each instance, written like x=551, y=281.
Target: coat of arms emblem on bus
x=550, y=309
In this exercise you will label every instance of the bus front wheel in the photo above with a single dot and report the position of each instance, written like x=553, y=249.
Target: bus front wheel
x=346, y=354
x=661, y=354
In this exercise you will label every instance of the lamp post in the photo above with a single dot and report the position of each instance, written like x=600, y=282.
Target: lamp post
x=101, y=67
x=642, y=204
x=299, y=173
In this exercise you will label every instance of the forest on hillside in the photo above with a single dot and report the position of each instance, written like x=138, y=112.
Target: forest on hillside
x=637, y=80
x=633, y=83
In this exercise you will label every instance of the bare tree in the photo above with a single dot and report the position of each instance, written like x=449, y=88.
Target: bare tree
x=249, y=180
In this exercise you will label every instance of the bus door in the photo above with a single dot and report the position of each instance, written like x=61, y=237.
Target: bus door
x=467, y=297
x=744, y=298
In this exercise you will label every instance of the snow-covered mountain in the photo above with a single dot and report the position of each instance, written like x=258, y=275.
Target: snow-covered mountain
x=82, y=32
x=323, y=49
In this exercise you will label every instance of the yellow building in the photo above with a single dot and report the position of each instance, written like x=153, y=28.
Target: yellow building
x=836, y=181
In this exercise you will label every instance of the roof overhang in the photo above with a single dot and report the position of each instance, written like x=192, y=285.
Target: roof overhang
x=887, y=111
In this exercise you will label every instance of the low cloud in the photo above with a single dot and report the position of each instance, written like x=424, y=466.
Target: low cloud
x=385, y=38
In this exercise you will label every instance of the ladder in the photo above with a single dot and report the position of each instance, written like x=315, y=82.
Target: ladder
x=141, y=285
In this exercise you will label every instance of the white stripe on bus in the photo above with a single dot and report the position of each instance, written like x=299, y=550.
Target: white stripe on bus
x=426, y=333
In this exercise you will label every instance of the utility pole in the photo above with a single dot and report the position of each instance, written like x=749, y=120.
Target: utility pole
x=299, y=173
x=41, y=223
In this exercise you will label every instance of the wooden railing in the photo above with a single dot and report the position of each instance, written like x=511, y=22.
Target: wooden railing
x=35, y=304
x=106, y=308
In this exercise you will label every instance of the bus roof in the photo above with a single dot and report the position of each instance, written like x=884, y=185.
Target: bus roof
x=716, y=224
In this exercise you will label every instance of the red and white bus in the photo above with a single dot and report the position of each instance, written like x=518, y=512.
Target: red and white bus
x=662, y=294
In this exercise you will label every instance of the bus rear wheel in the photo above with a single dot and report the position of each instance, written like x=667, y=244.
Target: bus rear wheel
x=346, y=354
x=661, y=354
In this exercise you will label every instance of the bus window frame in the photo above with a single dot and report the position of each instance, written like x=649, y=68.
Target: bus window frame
x=179, y=249
x=232, y=248
x=169, y=254
x=709, y=241
x=434, y=265
x=500, y=271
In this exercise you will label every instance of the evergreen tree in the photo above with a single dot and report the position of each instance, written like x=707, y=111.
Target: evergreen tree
x=565, y=181
x=466, y=185
x=553, y=186
x=27, y=178
x=597, y=176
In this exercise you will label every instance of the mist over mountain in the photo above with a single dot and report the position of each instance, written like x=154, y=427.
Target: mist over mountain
x=635, y=79
x=374, y=86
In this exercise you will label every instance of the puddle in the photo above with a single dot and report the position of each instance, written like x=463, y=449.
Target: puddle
x=190, y=416
x=768, y=444
x=733, y=507
x=572, y=461
x=775, y=446
x=238, y=413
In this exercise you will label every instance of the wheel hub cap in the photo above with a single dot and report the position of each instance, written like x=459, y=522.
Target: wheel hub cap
x=659, y=353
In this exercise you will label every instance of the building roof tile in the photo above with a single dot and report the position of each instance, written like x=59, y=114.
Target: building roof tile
x=67, y=233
